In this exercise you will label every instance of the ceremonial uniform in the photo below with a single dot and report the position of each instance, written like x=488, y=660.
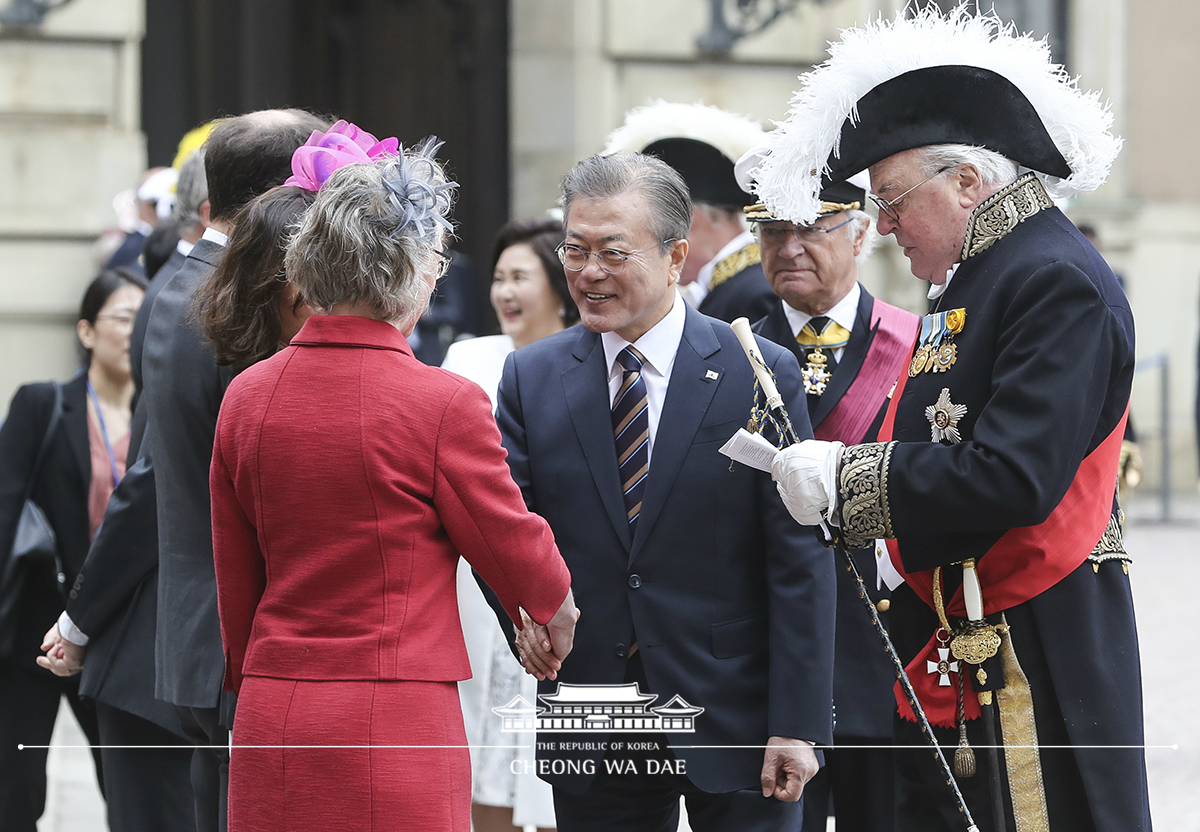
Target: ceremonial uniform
x=738, y=288
x=994, y=480
x=863, y=675
x=1022, y=402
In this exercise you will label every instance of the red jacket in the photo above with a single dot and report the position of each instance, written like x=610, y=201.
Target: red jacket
x=347, y=478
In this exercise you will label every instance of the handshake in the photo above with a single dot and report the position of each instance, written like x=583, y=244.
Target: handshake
x=541, y=648
x=806, y=475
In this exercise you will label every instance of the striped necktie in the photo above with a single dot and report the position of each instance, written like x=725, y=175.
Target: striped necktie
x=631, y=429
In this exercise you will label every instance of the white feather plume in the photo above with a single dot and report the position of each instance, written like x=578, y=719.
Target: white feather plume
x=788, y=179
x=730, y=133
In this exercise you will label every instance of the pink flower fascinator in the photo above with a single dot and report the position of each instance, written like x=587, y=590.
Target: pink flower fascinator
x=343, y=144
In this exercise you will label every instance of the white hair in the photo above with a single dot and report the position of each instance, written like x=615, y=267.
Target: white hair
x=995, y=170
x=862, y=227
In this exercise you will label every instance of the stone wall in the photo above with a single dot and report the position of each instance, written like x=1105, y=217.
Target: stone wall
x=70, y=140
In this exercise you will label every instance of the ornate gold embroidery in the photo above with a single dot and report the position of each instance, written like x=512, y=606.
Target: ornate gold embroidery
x=741, y=259
x=1002, y=211
x=862, y=483
x=1112, y=542
x=1018, y=731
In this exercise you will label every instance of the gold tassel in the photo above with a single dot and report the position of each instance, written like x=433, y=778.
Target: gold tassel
x=964, y=755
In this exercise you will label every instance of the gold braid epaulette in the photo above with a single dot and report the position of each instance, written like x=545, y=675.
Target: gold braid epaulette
x=1001, y=212
x=862, y=483
x=742, y=259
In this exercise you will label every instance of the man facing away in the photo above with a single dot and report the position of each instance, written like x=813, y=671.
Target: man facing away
x=701, y=600
x=167, y=488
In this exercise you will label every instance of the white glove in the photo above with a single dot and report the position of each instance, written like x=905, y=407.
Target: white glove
x=806, y=476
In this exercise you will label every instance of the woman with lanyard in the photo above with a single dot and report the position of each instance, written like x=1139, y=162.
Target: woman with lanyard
x=84, y=425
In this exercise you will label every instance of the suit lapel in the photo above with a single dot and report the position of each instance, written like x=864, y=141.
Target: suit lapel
x=689, y=394
x=775, y=328
x=852, y=359
x=585, y=387
x=75, y=426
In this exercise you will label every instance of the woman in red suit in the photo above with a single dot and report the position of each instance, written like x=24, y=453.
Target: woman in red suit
x=347, y=478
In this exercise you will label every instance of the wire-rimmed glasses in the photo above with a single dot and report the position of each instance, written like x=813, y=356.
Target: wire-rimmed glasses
x=610, y=260
x=892, y=207
x=777, y=233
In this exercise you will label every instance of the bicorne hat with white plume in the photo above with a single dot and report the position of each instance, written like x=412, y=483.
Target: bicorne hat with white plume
x=699, y=141
x=934, y=78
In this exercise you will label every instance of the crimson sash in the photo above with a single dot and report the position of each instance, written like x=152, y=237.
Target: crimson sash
x=852, y=415
x=1023, y=563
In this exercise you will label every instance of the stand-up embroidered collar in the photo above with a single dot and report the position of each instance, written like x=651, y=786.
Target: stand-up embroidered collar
x=1000, y=213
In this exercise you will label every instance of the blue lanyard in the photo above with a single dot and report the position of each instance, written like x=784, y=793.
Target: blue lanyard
x=112, y=457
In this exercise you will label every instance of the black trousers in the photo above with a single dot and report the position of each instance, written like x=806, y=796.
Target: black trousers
x=29, y=698
x=209, y=766
x=148, y=789
x=641, y=794
x=649, y=802
x=857, y=784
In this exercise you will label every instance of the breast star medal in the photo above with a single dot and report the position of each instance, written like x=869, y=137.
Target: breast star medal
x=943, y=418
x=936, y=351
x=815, y=373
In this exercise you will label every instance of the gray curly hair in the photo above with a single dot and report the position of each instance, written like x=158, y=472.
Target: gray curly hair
x=373, y=234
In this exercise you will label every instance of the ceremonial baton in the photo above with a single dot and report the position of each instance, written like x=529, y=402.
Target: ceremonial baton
x=741, y=328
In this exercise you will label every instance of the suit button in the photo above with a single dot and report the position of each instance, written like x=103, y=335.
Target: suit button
x=635, y=581
x=74, y=594
x=884, y=605
x=622, y=651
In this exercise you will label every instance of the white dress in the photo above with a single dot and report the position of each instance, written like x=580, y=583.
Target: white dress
x=497, y=677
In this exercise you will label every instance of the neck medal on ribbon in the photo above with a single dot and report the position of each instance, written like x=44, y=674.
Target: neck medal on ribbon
x=936, y=351
x=816, y=373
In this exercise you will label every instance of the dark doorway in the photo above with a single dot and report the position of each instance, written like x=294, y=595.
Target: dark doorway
x=408, y=68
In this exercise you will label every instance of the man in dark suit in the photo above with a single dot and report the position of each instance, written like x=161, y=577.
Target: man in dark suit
x=723, y=275
x=851, y=347
x=696, y=590
x=115, y=613
x=166, y=491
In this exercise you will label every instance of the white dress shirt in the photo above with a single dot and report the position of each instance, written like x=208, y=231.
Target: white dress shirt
x=659, y=346
x=214, y=236
x=843, y=313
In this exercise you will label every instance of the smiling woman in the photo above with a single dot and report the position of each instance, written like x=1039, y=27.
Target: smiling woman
x=529, y=293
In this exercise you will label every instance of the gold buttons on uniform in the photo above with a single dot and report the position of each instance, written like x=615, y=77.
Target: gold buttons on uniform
x=884, y=605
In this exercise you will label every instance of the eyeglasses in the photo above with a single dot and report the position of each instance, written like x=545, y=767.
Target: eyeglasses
x=892, y=207
x=119, y=318
x=778, y=233
x=610, y=260
x=443, y=264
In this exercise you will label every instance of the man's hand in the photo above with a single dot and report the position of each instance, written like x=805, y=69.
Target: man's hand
x=806, y=476
x=787, y=765
x=63, y=658
x=541, y=648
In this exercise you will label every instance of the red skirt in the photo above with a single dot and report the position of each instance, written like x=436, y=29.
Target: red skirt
x=391, y=755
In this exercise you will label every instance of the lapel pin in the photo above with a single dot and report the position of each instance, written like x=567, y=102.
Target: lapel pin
x=712, y=375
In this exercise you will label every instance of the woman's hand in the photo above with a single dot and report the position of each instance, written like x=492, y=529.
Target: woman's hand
x=63, y=658
x=542, y=648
